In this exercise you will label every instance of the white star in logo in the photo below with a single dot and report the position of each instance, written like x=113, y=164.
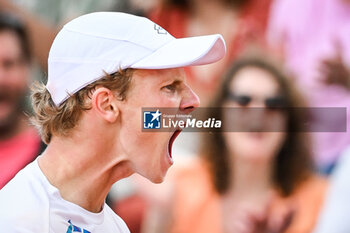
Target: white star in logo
x=156, y=115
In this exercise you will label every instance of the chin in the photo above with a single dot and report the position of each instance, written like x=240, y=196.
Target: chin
x=157, y=179
x=157, y=176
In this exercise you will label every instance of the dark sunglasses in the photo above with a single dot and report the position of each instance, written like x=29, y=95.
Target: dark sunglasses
x=270, y=102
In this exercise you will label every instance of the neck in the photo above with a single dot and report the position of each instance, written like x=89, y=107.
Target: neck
x=251, y=180
x=82, y=170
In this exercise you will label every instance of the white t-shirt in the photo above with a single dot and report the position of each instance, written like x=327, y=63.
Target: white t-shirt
x=30, y=204
x=336, y=210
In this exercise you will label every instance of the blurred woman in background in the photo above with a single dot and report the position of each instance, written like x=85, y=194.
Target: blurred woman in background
x=256, y=179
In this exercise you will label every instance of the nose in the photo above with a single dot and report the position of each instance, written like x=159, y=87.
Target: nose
x=257, y=103
x=189, y=101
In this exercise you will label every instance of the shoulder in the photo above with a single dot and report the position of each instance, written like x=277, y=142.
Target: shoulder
x=24, y=203
x=313, y=185
x=311, y=192
x=307, y=201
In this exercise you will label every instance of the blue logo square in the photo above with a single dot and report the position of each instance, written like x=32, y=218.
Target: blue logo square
x=151, y=119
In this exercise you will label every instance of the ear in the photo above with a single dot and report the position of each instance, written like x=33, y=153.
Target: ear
x=105, y=104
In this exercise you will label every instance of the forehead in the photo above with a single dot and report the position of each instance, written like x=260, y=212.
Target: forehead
x=158, y=76
x=254, y=80
x=9, y=42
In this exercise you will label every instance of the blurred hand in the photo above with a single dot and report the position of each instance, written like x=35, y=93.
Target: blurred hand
x=247, y=218
x=239, y=218
x=334, y=70
x=275, y=220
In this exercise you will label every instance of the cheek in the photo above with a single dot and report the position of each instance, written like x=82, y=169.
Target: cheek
x=138, y=145
x=274, y=141
x=168, y=101
x=18, y=79
x=235, y=142
x=276, y=122
x=156, y=99
x=146, y=152
x=131, y=131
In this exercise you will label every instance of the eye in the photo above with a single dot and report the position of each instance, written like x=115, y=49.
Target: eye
x=170, y=88
x=243, y=100
x=276, y=102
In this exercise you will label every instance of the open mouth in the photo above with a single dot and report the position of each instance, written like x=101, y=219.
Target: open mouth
x=171, y=141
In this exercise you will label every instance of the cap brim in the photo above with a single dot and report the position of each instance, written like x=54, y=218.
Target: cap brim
x=191, y=51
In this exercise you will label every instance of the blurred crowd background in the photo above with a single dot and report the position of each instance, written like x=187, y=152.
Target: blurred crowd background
x=293, y=53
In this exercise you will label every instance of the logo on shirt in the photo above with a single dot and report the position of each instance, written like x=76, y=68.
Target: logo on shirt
x=72, y=228
x=160, y=30
x=151, y=120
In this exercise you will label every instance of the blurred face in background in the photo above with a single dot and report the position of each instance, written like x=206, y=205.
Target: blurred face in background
x=14, y=75
x=255, y=93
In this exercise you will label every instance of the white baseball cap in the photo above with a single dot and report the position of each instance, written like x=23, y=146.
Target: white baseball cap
x=95, y=43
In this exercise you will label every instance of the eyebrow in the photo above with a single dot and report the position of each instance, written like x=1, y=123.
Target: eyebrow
x=176, y=82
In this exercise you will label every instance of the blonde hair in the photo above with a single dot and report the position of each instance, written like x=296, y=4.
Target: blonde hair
x=51, y=120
